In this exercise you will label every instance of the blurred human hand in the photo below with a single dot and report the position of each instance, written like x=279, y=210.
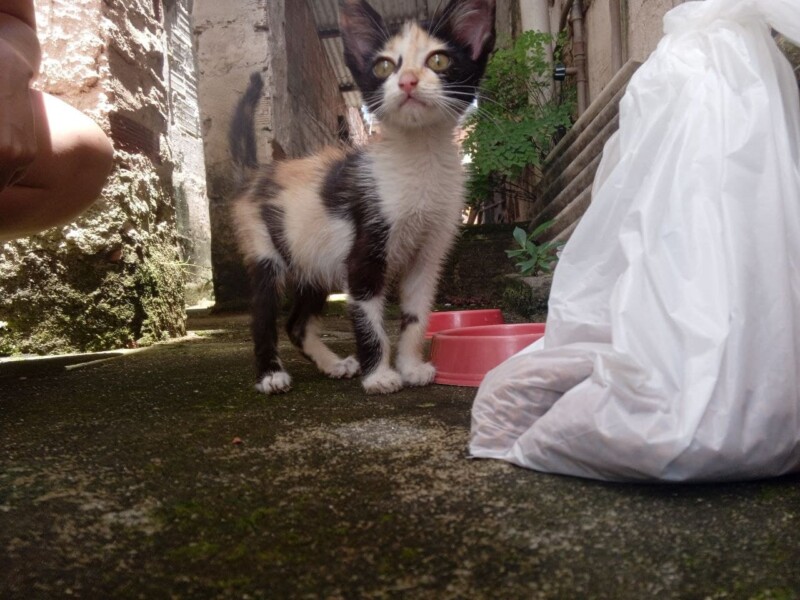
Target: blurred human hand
x=17, y=123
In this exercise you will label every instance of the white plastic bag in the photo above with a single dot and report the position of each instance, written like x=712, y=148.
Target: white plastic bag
x=672, y=349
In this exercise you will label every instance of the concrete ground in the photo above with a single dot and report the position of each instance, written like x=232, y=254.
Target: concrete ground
x=162, y=474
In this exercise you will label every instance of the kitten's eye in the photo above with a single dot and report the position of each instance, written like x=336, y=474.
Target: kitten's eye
x=438, y=62
x=383, y=68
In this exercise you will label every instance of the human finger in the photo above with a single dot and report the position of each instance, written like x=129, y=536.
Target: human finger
x=17, y=175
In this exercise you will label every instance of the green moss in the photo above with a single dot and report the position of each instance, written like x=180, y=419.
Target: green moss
x=792, y=52
x=775, y=594
x=196, y=551
x=111, y=279
x=234, y=583
x=474, y=274
x=526, y=301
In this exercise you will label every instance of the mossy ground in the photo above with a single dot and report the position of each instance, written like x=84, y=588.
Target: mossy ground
x=122, y=480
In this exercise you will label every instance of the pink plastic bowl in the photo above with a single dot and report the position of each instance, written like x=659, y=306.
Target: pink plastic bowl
x=455, y=319
x=464, y=356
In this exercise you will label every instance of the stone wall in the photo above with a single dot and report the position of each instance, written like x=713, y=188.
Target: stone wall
x=642, y=27
x=641, y=30
x=508, y=20
x=231, y=42
x=475, y=274
x=112, y=278
x=310, y=105
x=598, y=40
x=298, y=114
x=186, y=151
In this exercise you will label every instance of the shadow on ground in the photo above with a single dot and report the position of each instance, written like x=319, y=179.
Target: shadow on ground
x=121, y=479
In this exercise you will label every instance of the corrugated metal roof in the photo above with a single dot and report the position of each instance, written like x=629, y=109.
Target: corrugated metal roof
x=326, y=14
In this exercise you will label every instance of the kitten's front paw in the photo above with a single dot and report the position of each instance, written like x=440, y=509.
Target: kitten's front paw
x=346, y=368
x=383, y=381
x=275, y=383
x=418, y=375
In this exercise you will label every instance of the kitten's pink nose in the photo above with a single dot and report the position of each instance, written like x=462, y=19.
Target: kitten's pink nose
x=408, y=82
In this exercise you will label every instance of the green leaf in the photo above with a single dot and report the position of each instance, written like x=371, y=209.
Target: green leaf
x=527, y=267
x=514, y=128
x=520, y=236
x=542, y=228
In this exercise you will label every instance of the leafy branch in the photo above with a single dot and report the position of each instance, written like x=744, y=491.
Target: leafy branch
x=532, y=258
x=518, y=116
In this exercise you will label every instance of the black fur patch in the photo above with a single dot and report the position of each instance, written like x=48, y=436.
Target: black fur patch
x=347, y=194
x=264, y=186
x=368, y=345
x=366, y=265
x=407, y=320
x=308, y=302
x=340, y=191
x=461, y=79
x=265, y=280
x=274, y=220
x=364, y=33
x=241, y=134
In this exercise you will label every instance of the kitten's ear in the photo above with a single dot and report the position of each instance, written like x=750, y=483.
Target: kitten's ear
x=471, y=23
x=363, y=33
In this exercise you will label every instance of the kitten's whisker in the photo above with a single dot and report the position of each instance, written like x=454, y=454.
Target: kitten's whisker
x=436, y=22
x=481, y=97
x=448, y=109
x=467, y=99
x=482, y=100
x=379, y=25
x=487, y=116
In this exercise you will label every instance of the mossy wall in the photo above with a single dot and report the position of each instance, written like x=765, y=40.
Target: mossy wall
x=112, y=279
x=792, y=52
x=475, y=272
x=478, y=274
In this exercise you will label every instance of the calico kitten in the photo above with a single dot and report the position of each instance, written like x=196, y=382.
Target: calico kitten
x=360, y=219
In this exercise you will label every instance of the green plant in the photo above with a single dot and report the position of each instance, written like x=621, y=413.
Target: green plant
x=519, y=115
x=532, y=258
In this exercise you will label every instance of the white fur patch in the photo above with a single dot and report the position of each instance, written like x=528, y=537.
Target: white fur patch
x=383, y=381
x=275, y=383
x=345, y=368
x=418, y=375
x=254, y=241
x=373, y=311
x=320, y=257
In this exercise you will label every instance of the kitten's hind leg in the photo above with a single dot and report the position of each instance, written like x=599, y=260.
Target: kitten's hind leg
x=303, y=328
x=266, y=278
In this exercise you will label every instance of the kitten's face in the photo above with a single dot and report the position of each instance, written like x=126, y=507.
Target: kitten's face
x=422, y=74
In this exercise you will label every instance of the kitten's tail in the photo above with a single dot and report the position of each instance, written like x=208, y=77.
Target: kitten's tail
x=242, y=132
